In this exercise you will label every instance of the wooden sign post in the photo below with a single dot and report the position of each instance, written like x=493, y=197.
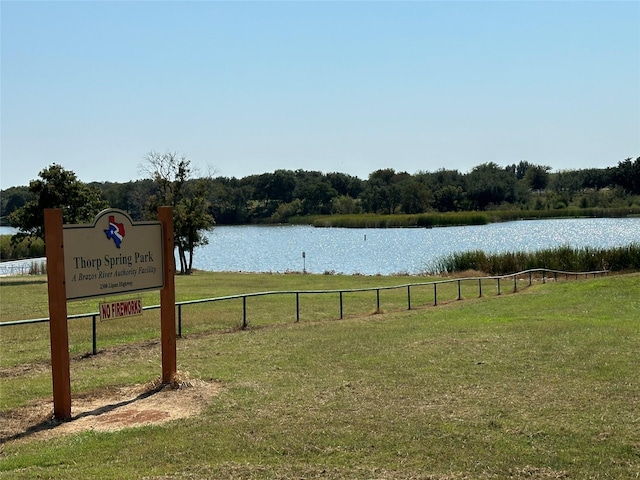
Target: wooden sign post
x=168, y=299
x=112, y=256
x=58, y=331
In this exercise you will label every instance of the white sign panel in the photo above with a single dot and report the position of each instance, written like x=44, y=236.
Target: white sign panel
x=112, y=256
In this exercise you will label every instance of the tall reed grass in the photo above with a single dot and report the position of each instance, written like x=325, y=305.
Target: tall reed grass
x=511, y=215
x=560, y=258
x=426, y=220
x=449, y=219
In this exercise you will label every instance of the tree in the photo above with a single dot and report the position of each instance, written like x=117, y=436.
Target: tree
x=344, y=204
x=345, y=184
x=520, y=170
x=628, y=175
x=56, y=188
x=315, y=192
x=274, y=189
x=382, y=193
x=130, y=196
x=537, y=177
x=229, y=200
x=597, y=178
x=449, y=198
x=171, y=174
x=13, y=198
x=488, y=184
x=191, y=220
x=415, y=197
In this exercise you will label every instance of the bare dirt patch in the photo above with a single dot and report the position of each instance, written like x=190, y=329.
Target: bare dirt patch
x=110, y=410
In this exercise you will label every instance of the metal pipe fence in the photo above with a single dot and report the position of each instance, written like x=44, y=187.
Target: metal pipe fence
x=481, y=282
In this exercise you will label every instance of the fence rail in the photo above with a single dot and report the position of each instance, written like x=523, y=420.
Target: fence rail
x=500, y=280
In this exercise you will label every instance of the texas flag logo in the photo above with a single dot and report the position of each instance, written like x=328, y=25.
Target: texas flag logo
x=115, y=231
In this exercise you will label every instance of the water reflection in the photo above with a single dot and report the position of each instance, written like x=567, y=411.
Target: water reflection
x=387, y=251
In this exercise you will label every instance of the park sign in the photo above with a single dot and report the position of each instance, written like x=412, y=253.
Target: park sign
x=113, y=255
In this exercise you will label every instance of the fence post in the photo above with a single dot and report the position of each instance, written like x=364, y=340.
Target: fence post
x=179, y=321
x=498, y=285
x=297, y=306
x=459, y=295
x=544, y=276
x=529, y=278
x=408, y=297
x=480, y=288
x=435, y=294
x=244, y=312
x=94, y=335
x=340, y=305
x=515, y=283
x=377, y=300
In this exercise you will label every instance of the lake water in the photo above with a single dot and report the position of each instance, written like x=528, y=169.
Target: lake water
x=400, y=250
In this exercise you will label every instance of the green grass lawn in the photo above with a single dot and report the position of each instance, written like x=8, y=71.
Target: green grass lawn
x=542, y=384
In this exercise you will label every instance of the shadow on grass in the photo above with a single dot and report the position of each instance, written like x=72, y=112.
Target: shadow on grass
x=52, y=423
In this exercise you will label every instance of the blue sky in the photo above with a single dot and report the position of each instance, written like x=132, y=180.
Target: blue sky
x=250, y=87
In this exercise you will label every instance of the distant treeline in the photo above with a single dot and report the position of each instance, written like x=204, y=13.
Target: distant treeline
x=284, y=195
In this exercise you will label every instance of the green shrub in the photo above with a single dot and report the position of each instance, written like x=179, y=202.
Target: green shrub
x=26, y=248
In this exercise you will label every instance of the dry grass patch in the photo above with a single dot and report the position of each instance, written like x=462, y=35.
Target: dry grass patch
x=111, y=409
